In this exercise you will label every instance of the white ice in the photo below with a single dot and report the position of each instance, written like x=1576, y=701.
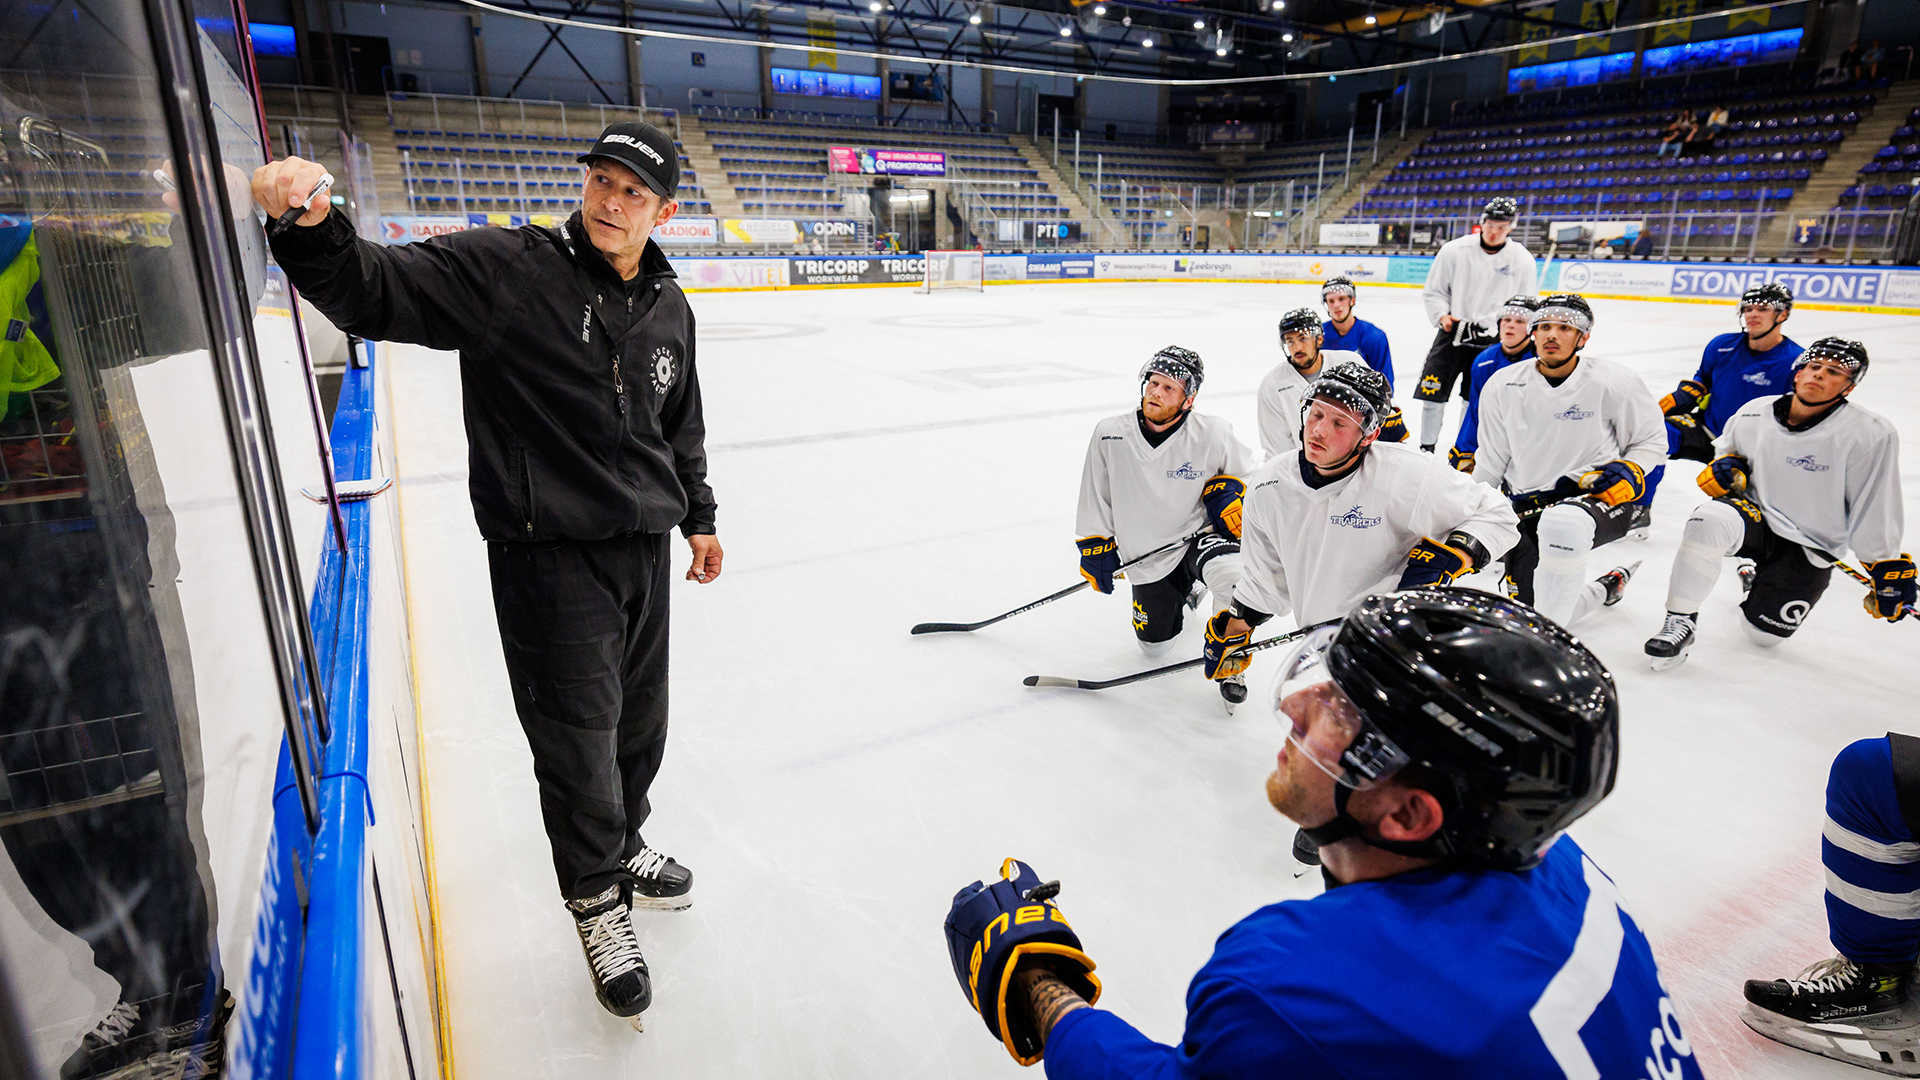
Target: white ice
x=883, y=458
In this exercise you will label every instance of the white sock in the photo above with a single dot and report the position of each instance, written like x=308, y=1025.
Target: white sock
x=1156, y=648
x=1713, y=533
x=1566, y=536
x=1432, y=415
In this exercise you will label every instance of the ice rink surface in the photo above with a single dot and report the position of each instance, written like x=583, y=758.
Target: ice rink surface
x=883, y=458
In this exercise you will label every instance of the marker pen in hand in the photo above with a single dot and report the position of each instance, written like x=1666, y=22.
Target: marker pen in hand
x=285, y=221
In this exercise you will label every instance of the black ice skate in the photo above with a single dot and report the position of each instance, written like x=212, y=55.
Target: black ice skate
x=119, y=1040
x=1195, y=594
x=1836, y=989
x=620, y=977
x=1669, y=646
x=1615, y=582
x=659, y=883
x=1233, y=691
x=1747, y=572
x=1640, y=526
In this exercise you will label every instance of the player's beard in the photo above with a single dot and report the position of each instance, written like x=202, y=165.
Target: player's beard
x=1147, y=409
x=1287, y=795
x=1300, y=367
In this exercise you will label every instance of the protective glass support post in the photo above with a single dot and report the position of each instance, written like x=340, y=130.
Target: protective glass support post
x=1056, y=139
x=1413, y=216
x=1320, y=178
x=1686, y=238
x=1673, y=212
x=1859, y=201
x=1379, y=110
x=1346, y=178
x=1076, y=158
x=460, y=184
x=1733, y=242
x=406, y=177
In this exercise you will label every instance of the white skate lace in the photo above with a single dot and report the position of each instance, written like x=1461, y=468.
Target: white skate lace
x=119, y=1021
x=611, y=946
x=1675, y=628
x=1825, y=977
x=648, y=864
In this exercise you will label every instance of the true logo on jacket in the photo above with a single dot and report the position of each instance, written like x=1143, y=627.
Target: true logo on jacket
x=1575, y=412
x=1808, y=463
x=663, y=370
x=586, y=323
x=1354, y=519
x=1186, y=471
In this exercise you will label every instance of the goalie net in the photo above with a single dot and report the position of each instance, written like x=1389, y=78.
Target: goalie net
x=955, y=270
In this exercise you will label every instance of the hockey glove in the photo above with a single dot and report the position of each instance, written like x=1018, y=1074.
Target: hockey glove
x=1892, y=597
x=1725, y=475
x=1394, y=427
x=1462, y=460
x=1685, y=398
x=993, y=930
x=1434, y=563
x=1099, y=561
x=1221, y=497
x=1616, y=482
x=1224, y=660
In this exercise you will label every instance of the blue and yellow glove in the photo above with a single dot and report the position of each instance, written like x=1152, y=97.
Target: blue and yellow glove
x=992, y=930
x=1224, y=658
x=1432, y=562
x=1685, y=398
x=1099, y=562
x=1615, y=482
x=1460, y=459
x=1394, y=427
x=1892, y=597
x=1724, y=475
x=1222, y=497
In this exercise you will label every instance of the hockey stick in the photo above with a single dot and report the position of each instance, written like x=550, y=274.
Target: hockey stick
x=960, y=627
x=1154, y=673
x=1855, y=574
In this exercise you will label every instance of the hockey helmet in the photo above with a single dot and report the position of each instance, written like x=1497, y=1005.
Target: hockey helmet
x=1570, y=309
x=1513, y=724
x=1770, y=294
x=1500, y=208
x=1356, y=388
x=1341, y=285
x=1181, y=365
x=1848, y=354
x=1302, y=320
x=1518, y=306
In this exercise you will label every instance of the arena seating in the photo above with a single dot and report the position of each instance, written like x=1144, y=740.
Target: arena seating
x=1867, y=209
x=450, y=171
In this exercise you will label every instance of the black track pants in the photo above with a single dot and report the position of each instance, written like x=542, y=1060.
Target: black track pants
x=584, y=627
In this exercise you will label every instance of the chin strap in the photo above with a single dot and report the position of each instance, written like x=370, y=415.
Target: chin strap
x=1344, y=827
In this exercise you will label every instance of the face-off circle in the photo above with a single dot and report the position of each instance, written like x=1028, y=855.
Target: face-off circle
x=755, y=331
x=954, y=321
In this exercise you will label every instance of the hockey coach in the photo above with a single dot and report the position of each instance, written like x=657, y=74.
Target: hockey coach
x=586, y=450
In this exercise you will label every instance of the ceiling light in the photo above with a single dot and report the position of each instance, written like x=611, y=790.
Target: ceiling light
x=1199, y=24
x=1279, y=5
x=874, y=6
x=1371, y=20
x=1146, y=43
x=974, y=18
x=1066, y=31
x=1286, y=37
x=1099, y=9
x=1219, y=52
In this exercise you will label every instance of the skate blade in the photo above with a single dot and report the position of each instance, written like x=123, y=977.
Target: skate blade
x=1638, y=534
x=1662, y=663
x=1890, y=1045
x=660, y=903
x=637, y=1023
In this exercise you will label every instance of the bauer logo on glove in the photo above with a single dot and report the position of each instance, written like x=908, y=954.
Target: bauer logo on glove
x=993, y=930
x=1224, y=654
x=1616, y=482
x=1892, y=594
x=1099, y=562
x=1222, y=497
x=1725, y=475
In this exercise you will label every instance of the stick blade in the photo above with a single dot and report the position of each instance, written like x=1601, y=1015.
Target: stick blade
x=941, y=628
x=1051, y=680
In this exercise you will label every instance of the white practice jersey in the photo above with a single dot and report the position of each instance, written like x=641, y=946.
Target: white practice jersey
x=1470, y=284
x=1533, y=433
x=1279, y=401
x=1833, y=486
x=1319, y=551
x=1145, y=496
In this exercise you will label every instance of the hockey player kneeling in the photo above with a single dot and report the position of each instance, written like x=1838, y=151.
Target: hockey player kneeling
x=1345, y=516
x=1437, y=742
x=1571, y=438
x=1153, y=477
x=1799, y=479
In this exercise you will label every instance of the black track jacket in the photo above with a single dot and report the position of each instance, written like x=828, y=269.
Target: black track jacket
x=581, y=400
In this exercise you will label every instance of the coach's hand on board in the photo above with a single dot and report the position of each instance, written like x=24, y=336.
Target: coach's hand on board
x=283, y=184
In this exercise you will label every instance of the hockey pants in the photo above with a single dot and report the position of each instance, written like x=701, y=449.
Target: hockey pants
x=1787, y=583
x=584, y=628
x=1871, y=852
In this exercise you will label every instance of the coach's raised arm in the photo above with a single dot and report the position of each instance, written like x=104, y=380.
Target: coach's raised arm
x=586, y=449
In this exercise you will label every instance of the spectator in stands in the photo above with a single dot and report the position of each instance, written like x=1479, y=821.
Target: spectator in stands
x=1719, y=120
x=1871, y=60
x=1850, y=61
x=1674, y=135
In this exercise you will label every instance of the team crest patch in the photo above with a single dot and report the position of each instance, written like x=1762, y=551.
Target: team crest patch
x=1808, y=463
x=1139, y=616
x=1186, y=471
x=1575, y=413
x=664, y=370
x=1354, y=519
x=1757, y=378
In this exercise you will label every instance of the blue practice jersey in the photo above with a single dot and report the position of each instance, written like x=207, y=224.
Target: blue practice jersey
x=1734, y=375
x=1475, y=975
x=1366, y=339
x=1491, y=359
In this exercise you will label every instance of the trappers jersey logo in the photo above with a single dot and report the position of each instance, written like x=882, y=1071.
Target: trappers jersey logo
x=1575, y=413
x=1808, y=463
x=1186, y=471
x=663, y=369
x=1757, y=378
x=1354, y=519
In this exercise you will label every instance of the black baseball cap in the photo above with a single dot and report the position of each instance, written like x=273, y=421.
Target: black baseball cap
x=643, y=148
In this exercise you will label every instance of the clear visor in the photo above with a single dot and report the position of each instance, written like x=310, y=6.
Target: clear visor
x=1759, y=305
x=1322, y=723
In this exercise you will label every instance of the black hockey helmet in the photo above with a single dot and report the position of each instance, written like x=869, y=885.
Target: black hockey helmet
x=1301, y=320
x=1848, y=354
x=1514, y=724
x=1500, y=208
x=1570, y=309
x=1518, y=306
x=1181, y=365
x=1339, y=285
x=1356, y=388
x=1771, y=294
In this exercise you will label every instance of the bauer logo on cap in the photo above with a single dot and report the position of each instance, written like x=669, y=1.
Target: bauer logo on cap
x=643, y=148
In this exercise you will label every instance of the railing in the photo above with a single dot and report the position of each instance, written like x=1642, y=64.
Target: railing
x=707, y=111
x=509, y=115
